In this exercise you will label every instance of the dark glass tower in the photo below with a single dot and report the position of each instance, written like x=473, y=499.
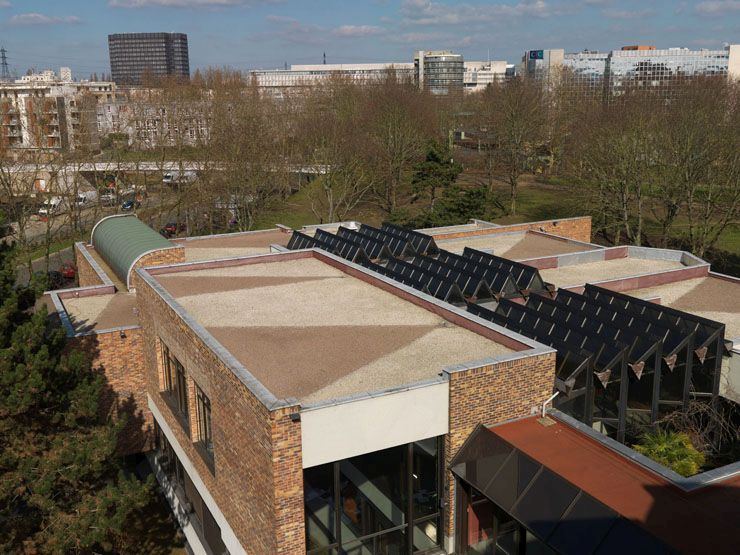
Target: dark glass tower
x=135, y=55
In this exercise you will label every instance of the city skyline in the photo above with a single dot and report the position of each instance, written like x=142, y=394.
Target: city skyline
x=250, y=34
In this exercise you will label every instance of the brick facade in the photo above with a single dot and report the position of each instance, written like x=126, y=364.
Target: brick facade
x=86, y=274
x=120, y=355
x=490, y=395
x=162, y=257
x=570, y=228
x=257, y=476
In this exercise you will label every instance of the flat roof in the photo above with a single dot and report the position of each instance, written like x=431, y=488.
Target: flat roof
x=709, y=297
x=516, y=245
x=101, y=312
x=592, y=272
x=706, y=520
x=232, y=245
x=310, y=331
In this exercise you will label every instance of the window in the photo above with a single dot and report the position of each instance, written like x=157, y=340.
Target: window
x=381, y=502
x=205, y=435
x=175, y=384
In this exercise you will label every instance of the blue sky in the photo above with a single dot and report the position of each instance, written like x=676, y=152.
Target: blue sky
x=266, y=33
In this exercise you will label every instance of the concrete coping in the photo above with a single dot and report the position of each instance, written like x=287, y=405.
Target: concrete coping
x=692, y=483
x=373, y=394
x=278, y=227
x=265, y=396
x=485, y=224
x=82, y=248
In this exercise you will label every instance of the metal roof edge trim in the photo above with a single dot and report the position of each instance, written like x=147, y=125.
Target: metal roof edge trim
x=107, y=330
x=101, y=220
x=82, y=248
x=373, y=394
x=499, y=359
x=232, y=234
x=69, y=329
x=143, y=254
x=433, y=300
x=624, y=278
x=264, y=395
x=692, y=483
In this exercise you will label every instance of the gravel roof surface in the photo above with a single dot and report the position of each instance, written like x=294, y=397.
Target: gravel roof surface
x=307, y=330
x=516, y=246
x=101, y=312
x=578, y=274
x=232, y=245
x=708, y=297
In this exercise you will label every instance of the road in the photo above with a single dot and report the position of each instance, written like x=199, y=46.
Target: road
x=39, y=265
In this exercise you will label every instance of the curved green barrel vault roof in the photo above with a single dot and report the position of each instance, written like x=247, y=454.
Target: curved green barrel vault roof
x=122, y=239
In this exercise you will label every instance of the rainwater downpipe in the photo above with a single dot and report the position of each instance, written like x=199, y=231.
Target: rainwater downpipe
x=548, y=401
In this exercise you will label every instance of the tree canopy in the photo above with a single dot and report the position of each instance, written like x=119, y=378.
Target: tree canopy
x=62, y=486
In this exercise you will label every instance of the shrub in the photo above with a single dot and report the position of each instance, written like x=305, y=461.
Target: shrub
x=671, y=449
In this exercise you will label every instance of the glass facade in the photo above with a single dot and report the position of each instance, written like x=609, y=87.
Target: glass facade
x=135, y=55
x=187, y=494
x=382, y=502
x=439, y=72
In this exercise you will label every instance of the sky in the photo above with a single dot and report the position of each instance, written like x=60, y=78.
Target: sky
x=248, y=34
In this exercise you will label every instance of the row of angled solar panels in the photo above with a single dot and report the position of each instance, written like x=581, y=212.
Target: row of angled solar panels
x=559, y=513
x=413, y=259
x=607, y=327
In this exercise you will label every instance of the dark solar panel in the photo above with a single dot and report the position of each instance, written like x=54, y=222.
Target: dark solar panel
x=423, y=244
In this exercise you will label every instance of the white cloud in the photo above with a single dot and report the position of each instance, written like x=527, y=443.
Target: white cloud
x=177, y=3
x=5, y=4
x=357, y=30
x=626, y=14
x=718, y=7
x=41, y=19
x=428, y=12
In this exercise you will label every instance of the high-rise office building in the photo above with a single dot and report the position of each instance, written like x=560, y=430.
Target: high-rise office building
x=439, y=71
x=610, y=73
x=133, y=56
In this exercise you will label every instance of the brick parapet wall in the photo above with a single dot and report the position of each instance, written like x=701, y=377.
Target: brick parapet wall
x=489, y=395
x=119, y=354
x=86, y=273
x=570, y=228
x=161, y=257
x=257, y=481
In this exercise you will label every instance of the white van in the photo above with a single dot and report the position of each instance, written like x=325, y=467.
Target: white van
x=52, y=206
x=86, y=198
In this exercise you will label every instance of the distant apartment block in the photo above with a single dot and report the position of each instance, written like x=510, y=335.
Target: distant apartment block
x=134, y=56
x=611, y=72
x=44, y=110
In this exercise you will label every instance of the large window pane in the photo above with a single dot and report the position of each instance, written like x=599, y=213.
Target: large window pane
x=390, y=543
x=424, y=473
x=373, y=492
x=318, y=491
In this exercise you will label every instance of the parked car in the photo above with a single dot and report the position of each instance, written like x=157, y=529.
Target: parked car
x=130, y=204
x=68, y=270
x=172, y=228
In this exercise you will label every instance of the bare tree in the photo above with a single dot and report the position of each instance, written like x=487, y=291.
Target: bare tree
x=331, y=137
x=517, y=128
